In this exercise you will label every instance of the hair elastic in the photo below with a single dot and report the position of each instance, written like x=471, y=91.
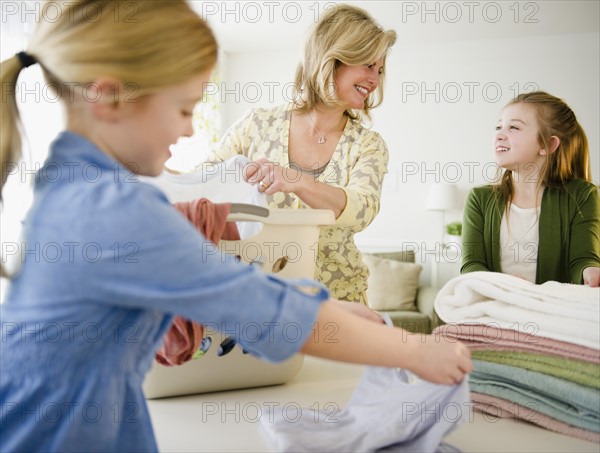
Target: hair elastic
x=26, y=59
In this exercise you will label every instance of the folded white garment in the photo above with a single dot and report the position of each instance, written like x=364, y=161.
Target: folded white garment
x=219, y=183
x=555, y=310
x=390, y=410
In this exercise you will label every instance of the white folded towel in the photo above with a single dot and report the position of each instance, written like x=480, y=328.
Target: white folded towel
x=561, y=311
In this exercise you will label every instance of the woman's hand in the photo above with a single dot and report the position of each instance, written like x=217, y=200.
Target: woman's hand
x=591, y=276
x=272, y=177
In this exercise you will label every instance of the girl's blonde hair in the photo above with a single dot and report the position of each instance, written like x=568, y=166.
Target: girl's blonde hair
x=345, y=34
x=146, y=45
x=571, y=160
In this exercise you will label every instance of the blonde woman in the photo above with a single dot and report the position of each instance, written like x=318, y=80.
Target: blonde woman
x=315, y=152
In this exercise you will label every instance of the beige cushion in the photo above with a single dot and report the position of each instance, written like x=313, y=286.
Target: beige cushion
x=406, y=256
x=392, y=284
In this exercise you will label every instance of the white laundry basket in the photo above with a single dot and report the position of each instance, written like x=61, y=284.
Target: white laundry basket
x=286, y=245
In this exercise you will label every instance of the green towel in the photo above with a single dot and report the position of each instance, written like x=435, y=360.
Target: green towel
x=577, y=371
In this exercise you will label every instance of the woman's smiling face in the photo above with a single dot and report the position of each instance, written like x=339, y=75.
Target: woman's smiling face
x=355, y=83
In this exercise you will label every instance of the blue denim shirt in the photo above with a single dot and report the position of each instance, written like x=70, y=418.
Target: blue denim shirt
x=106, y=263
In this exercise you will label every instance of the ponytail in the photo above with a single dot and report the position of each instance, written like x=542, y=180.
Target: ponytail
x=10, y=121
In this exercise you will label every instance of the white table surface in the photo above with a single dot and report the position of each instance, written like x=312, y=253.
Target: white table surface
x=230, y=421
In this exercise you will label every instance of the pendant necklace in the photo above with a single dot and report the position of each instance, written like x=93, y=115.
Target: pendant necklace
x=321, y=138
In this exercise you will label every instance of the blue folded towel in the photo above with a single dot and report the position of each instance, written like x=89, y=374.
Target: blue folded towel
x=575, y=404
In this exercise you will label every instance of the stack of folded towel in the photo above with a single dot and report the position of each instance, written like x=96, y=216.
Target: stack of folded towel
x=536, y=348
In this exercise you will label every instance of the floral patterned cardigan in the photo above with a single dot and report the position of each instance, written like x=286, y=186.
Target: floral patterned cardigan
x=357, y=166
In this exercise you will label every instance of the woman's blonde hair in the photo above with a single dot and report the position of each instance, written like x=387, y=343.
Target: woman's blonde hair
x=571, y=160
x=345, y=34
x=146, y=45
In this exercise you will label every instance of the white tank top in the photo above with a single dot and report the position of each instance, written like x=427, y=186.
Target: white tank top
x=519, y=241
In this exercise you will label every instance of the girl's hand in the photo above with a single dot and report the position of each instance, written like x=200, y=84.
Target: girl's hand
x=441, y=360
x=272, y=177
x=360, y=310
x=591, y=276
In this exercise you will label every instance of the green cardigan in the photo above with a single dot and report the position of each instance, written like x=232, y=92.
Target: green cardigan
x=569, y=232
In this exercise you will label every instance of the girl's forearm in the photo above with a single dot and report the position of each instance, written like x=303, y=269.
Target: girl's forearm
x=341, y=335
x=344, y=336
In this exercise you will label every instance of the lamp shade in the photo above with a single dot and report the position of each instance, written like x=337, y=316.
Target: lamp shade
x=442, y=197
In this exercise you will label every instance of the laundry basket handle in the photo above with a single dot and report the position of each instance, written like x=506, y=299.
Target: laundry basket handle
x=247, y=212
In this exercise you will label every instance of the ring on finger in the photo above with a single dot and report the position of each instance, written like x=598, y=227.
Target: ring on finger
x=263, y=185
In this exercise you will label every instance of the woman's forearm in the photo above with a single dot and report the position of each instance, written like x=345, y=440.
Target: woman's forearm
x=319, y=195
x=273, y=178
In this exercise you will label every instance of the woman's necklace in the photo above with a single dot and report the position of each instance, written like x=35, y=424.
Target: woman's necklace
x=322, y=137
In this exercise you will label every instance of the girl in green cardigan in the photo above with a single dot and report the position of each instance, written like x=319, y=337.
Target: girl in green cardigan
x=541, y=221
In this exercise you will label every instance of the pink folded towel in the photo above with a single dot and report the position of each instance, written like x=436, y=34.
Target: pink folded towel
x=507, y=409
x=488, y=337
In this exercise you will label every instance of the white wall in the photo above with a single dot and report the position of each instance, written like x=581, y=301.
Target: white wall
x=450, y=137
x=441, y=105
